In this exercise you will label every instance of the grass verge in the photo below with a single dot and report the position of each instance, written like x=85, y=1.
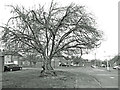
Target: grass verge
x=31, y=79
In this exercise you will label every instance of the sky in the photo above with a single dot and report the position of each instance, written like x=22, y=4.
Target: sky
x=105, y=12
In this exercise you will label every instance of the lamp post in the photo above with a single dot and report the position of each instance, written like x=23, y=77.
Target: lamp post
x=95, y=59
x=95, y=56
x=108, y=66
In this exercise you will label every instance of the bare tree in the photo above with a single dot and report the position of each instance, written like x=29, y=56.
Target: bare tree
x=52, y=33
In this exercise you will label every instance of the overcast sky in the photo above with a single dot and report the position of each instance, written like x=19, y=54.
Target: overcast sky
x=105, y=11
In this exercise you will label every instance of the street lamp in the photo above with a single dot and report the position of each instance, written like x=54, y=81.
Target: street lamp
x=95, y=59
x=107, y=66
x=95, y=56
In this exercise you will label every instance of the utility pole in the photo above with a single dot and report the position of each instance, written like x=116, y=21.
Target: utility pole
x=108, y=65
x=95, y=56
x=95, y=59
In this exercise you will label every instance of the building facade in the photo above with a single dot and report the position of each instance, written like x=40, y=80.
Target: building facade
x=11, y=57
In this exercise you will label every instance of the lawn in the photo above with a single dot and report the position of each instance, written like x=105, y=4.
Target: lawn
x=67, y=77
x=31, y=79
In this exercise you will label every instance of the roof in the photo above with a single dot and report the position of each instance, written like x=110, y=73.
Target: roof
x=12, y=53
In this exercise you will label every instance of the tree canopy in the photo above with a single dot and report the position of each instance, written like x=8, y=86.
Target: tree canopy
x=60, y=30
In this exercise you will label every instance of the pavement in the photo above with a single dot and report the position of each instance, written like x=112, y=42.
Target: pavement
x=102, y=77
x=107, y=79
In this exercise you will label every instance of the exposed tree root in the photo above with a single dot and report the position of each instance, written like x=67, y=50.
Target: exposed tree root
x=45, y=73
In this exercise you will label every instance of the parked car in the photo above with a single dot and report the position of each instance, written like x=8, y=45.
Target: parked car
x=116, y=67
x=93, y=66
x=103, y=65
x=119, y=68
x=12, y=67
x=64, y=64
x=76, y=65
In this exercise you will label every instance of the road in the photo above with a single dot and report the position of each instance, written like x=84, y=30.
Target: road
x=102, y=77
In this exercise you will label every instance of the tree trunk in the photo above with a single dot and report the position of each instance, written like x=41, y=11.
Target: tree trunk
x=47, y=69
x=30, y=63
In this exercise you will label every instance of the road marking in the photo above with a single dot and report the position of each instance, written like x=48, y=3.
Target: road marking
x=98, y=82
x=106, y=74
x=112, y=77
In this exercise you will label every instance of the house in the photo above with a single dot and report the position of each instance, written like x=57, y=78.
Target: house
x=11, y=57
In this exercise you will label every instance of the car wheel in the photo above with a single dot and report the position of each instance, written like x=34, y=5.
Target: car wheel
x=11, y=70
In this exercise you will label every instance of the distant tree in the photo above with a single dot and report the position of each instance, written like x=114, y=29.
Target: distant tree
x=104, y=62
x=115, y=59
x=76, y=60
x=92, y=62
x=32, y=58
x=97, y=62
x=53, y=31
